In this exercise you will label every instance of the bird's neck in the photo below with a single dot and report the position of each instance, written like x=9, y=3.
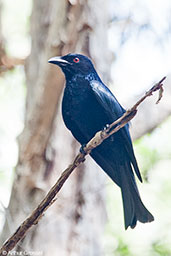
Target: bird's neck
x=79, y=76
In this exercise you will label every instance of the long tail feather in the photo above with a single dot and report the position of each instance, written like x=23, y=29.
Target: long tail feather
x=134, y=209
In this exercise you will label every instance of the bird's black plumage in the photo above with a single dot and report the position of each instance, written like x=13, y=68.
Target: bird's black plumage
x=87, y=106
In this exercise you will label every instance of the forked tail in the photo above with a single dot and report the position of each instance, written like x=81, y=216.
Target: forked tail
x=134, y=209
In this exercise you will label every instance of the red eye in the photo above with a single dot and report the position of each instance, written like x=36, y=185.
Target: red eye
x=76, y=60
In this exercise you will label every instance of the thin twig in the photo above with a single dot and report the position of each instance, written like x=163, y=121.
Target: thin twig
x=49, y=199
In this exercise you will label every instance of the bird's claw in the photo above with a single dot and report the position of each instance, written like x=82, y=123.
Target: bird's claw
x=106, y=127
x=82, y=151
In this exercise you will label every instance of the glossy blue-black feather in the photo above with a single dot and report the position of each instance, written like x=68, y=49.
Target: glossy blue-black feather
x=114, y=110
x=87, y=107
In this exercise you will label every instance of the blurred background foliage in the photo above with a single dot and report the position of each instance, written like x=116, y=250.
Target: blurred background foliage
x=140, y=39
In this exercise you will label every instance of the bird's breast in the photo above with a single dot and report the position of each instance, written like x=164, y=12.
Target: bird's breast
x=81, y=107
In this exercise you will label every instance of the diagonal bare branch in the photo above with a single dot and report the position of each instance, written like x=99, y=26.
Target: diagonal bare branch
x=49, y=199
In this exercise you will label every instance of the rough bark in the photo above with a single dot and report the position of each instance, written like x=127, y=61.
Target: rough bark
x=74, y=225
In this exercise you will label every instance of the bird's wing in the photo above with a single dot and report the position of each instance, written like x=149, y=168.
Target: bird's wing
x=114, y=110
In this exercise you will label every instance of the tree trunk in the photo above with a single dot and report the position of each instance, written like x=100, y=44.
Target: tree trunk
x=74, y=224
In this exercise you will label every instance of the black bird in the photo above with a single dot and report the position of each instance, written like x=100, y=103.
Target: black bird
x=87, y=107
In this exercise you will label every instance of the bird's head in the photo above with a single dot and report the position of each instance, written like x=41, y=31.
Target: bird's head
x=72, y=64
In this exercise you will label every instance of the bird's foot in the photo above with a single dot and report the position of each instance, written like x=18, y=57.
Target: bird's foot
x=82, y=151
x=106, y=127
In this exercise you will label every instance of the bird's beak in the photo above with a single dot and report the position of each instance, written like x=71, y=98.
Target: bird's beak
x=58, y=61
